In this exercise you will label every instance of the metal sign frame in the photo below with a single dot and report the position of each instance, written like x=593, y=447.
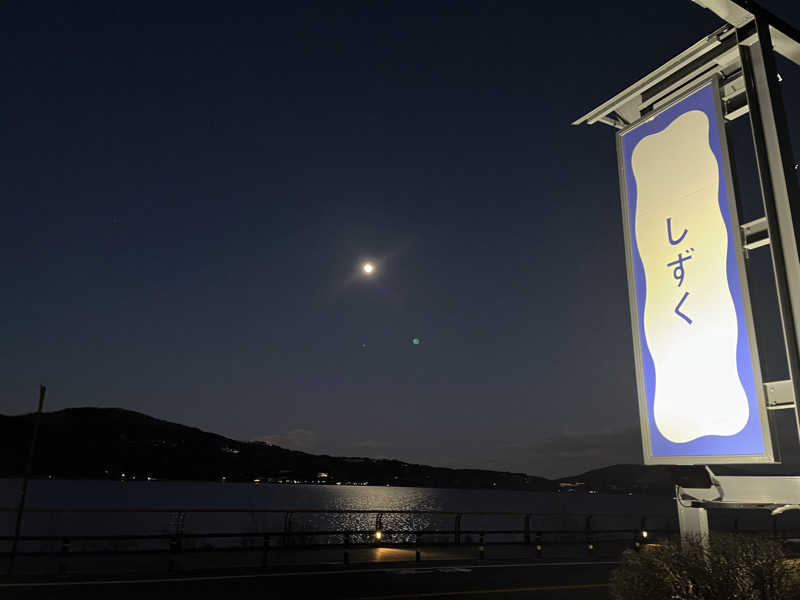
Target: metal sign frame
x=645, y=415
x=756, y=405
x=741, y=55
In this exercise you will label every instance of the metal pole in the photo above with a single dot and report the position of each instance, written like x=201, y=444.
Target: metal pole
x=28, y=471
x=692, y=521
x=778, y=187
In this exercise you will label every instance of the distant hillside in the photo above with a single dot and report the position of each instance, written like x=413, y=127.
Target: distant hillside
x=107, y=443
x=640, y=479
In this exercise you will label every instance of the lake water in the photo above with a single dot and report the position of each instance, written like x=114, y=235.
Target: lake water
x=549, y=510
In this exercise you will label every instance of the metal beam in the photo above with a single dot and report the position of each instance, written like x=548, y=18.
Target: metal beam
x=754, y=234
x=745, y=492
x=780, y=394
x=633, y=93
x=785, y=38
x=715, y=53
x=735, y=107
x=715, y=59
x=778, y=188
x=702, y=58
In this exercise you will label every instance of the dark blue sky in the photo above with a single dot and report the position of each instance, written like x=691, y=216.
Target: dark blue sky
x=189, y=189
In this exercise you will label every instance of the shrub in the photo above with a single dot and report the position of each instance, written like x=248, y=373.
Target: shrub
x=735, y=567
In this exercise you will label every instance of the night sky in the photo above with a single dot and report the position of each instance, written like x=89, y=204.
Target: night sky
x=189, y=190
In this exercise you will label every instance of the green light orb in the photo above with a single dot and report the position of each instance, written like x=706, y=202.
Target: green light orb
x=416, y=341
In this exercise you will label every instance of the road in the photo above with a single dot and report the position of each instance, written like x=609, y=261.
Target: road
x=468, y=580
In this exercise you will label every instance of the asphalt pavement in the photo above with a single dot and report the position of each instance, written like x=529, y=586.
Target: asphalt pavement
x=581, y=580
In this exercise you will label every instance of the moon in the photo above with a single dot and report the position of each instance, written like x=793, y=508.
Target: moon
x=368, y=268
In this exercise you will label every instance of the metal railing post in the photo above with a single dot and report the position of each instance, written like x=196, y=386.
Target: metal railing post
x=287, y=530
x=62, y=567
x=378, y=537
x=527, y=528
x=265, y=553
x=173, y=549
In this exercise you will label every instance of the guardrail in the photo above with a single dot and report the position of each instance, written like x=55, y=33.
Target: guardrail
x=585, y=537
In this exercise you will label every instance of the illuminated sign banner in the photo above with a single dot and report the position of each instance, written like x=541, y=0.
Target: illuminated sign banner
x=701, y=397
